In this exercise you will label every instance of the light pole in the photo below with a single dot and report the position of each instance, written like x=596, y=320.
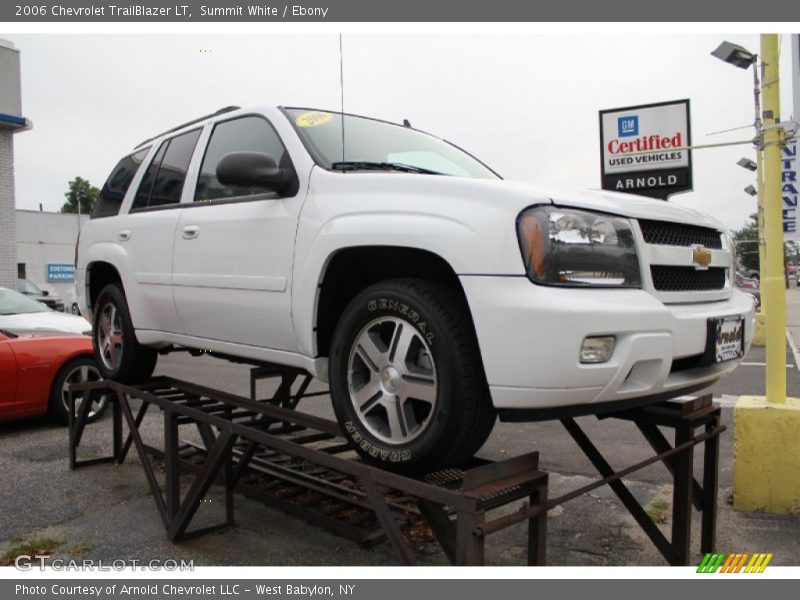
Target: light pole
x=766, y=445
x=769, y=138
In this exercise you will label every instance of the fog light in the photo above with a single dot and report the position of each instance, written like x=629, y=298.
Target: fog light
x=597, y=349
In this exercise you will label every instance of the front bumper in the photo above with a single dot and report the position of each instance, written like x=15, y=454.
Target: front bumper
x=530, y=338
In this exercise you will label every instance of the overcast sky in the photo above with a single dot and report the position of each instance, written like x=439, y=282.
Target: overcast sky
x=525, y=104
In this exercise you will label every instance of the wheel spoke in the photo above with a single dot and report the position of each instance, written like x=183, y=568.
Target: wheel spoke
x=365, y=398
x=401, y=344
x=419, y=388
x=372, y=356
x=105, y=325
x=398, y=428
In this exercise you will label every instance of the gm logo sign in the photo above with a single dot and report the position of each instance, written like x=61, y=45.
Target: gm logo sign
x=628, y=126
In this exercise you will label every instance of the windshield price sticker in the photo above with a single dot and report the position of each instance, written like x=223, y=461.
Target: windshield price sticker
x=313, y=119
x=729, y=343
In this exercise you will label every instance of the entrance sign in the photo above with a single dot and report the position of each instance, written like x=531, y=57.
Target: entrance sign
x=640, y=149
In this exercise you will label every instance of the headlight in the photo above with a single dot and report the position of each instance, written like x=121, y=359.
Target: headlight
x=578, y=248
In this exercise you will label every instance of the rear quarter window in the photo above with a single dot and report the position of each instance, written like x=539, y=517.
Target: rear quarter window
x=117, y=184
x=163, y=182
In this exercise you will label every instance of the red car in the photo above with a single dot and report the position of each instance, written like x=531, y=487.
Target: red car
x=37, y=368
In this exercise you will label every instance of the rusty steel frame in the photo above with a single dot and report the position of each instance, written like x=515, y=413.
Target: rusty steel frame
x=241, y=437
x=457, y=508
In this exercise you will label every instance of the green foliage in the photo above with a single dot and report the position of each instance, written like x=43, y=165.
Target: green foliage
x=37, y=546
x=746, y=240
x=79, y=188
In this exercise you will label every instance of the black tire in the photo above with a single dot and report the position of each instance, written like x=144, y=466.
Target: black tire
x=461, y=417
x=79, y=369
x=128, y=361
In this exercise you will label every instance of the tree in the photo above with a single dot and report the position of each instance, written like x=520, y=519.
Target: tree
x=746, y=240
x=81, y=189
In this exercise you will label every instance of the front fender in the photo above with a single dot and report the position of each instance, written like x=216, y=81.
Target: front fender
x=449, y=238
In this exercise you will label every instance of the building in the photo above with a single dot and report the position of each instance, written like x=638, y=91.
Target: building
x=45, y=250
x=11, y=122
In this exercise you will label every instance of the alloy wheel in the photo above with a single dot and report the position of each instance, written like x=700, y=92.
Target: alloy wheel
x=392, y=380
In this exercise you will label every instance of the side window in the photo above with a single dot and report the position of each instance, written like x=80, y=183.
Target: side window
x=117, y=184
x=247, y=134
x=163, y=182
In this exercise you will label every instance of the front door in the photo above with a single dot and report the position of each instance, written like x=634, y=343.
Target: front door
x=232, y=262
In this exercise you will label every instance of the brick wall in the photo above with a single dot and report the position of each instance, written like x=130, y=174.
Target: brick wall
x=8, y=229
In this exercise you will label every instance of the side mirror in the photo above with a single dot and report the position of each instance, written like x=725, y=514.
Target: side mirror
x=45, y=293
x=252, y=169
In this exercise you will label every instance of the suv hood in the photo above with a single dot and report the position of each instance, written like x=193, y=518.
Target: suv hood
x=627, y=205
x=510, y=197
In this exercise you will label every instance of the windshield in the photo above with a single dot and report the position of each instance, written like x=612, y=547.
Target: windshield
x=14, y=303
x=28, y=287
x=371, y=144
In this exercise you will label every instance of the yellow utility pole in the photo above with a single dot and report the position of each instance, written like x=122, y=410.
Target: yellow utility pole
x=762, y=242
x=773, y=281
x=766, y=444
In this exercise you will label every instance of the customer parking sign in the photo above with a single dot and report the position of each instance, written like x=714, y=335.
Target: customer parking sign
x=60, y=273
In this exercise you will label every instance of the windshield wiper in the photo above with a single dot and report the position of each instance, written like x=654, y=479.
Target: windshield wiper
x=365, y=165
x=8, y=334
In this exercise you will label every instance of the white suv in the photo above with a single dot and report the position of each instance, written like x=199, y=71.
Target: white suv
x=429, y=292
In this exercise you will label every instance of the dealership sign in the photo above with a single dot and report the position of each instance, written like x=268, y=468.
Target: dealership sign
x=643, y=149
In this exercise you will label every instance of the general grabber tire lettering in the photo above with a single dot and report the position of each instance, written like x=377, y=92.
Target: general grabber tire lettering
x=407, y=382
x=119, y=356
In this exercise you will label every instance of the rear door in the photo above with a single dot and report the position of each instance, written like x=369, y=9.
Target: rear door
x=148, y=232
x=232, y=262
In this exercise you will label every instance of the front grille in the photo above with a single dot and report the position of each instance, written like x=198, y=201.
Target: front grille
x=668, y=278
x=677, y=234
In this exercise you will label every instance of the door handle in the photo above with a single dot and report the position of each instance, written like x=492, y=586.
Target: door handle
x=124, y=235
x=190, y=232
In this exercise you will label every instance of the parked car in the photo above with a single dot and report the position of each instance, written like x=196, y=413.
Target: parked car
x=33, y=291
x=36, y=370
x=751, y=287
x=20, y=313
x=429, y=292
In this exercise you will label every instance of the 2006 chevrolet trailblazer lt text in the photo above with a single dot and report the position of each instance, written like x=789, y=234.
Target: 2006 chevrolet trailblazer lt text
x=430, y=293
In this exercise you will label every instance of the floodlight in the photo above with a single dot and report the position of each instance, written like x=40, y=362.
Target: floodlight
x=748, y=164
x=735, y=55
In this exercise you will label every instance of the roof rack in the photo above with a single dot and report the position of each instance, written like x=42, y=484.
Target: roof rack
x=221, y=111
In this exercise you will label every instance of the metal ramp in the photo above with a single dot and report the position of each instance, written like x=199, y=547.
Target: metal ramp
x=302, y=465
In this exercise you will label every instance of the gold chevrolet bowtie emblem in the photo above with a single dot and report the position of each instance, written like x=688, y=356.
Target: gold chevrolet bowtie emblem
x=701, y=257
